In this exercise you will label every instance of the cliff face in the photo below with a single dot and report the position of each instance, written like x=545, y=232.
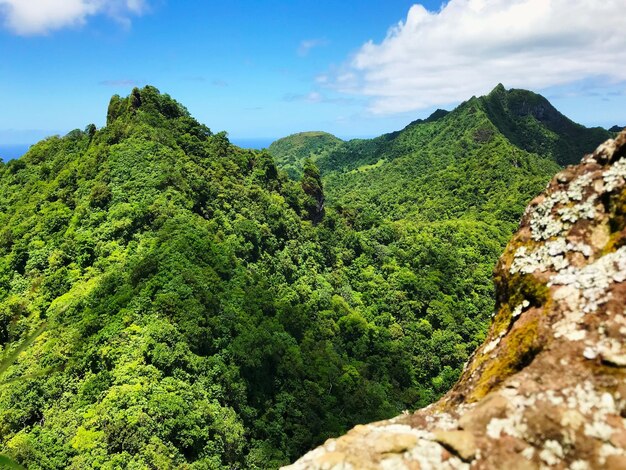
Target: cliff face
x=547, y=389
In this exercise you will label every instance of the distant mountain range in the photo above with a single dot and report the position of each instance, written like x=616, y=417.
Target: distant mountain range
x=489, y=150
x=526, y=119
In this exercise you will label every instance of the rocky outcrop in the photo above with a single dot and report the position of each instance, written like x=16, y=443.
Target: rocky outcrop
x=547, y=389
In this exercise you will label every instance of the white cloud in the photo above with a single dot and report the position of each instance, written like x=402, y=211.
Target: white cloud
x=317, y=97
x=31, y=17
x=308, y=44
x=469, y=46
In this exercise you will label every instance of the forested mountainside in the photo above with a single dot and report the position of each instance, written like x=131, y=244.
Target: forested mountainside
x=484, y=160
x=290, y=152
x=547, y=389
x=168, y=299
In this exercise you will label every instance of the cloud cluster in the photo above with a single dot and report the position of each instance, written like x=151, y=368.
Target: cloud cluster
x=468, y=46
x=31, y=17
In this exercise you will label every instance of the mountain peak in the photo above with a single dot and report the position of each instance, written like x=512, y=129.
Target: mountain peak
x=521, y=102
x=148, y=100
x=530, y=122
x=438, y=114
x=499, y=89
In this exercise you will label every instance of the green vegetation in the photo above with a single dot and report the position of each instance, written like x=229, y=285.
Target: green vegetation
x=168, y=300
x=530, y=122
x=290, y=152
x=5, y=362
x=481, y=162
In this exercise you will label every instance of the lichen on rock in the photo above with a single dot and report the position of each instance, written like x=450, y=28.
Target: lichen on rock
x=548, y=387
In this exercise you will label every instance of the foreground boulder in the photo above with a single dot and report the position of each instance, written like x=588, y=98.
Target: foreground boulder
x=547, y=389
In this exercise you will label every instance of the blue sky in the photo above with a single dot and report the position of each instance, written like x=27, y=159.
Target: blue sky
x=264, y=69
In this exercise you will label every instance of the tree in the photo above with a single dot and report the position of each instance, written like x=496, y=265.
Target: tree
x=311, y=183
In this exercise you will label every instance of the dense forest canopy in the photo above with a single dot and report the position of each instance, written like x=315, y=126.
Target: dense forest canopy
x=178, y=301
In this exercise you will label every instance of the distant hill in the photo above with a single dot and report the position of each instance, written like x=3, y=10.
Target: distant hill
x=526, y=119
x=289, y=152
x=616, y=128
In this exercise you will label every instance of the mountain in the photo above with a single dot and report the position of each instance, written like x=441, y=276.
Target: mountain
x=526, y=119
x=170, y=300
x=546, y=389
x=487, y=157
x=530, y=122
x=616, y=128
x=289, y=152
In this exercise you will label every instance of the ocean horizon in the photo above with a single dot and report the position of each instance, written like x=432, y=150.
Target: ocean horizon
x=252, y=143
x=9, y=152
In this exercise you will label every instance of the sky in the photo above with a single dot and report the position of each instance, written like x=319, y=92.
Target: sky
x=268, y=68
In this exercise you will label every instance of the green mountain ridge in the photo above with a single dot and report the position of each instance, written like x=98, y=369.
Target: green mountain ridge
x=526, y=119
x=508, y=141
x=173, y=301
x=531, y=123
